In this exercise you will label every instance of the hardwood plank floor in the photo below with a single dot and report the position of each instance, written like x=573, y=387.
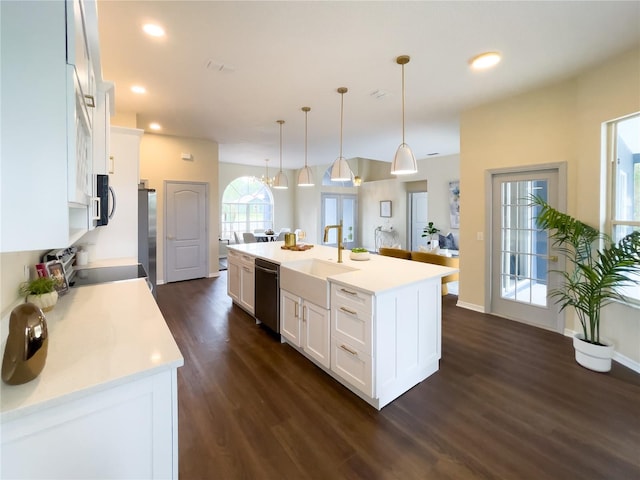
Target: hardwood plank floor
x=509, y=402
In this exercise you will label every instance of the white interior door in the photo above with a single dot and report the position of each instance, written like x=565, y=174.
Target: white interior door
x=186, y=227
x=419, y=219
x=522, y=262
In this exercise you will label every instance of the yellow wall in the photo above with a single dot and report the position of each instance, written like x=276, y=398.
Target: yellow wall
x=558, y=123
x=160, y=160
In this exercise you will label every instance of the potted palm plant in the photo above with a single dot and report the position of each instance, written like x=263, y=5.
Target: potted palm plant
x=41, y=292
x=597, y=268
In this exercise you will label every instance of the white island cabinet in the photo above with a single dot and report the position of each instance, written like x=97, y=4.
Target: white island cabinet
x=241, y=282
x=105, y=404
x=381, y=333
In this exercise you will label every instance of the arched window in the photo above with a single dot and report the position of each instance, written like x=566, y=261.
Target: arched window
x=247, y=204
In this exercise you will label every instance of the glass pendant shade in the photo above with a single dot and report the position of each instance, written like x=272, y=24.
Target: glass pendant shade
x=404, y=162
x=340, y=170
x=281, y=181
x=305, y=177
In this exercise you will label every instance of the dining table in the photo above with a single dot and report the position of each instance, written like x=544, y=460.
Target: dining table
x=265, y=237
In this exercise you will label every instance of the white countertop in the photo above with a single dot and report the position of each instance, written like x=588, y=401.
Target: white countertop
x=376, y=275
x=100, y=336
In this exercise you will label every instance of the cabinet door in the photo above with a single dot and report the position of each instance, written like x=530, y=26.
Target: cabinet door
x=317, y=342
x=352, y=366
x=233, y=280
x=289, y=317
x=247, y=287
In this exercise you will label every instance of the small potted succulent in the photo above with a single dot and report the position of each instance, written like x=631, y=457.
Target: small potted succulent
x=359, y=253
x=41, y=292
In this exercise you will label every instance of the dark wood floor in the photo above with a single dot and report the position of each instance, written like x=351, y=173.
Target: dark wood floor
x=509, y=402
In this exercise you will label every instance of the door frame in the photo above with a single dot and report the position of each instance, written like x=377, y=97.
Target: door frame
x=165, y=247
x=561, y=169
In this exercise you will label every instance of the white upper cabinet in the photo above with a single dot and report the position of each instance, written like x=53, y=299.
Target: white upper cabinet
x=47, y=149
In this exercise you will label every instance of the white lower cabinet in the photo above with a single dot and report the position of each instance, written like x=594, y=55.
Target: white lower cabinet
x=127, y=431
x=384, y=344
x=306, y=326
x=241, y=282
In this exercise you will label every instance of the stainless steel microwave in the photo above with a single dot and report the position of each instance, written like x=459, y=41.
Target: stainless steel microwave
x=106, y=200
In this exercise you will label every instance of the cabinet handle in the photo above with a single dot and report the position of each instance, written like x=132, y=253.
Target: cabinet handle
x=246, y=269
x=90, y=101
x=304, y=313
x=295, y=310
x=348, y=350
x=344, y=309
x=348, y=292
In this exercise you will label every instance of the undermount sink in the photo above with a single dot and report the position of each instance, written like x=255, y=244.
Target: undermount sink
x=308, y=279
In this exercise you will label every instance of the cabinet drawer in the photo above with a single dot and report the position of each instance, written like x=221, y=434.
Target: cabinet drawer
x=352, y=366
x=352, y=326
x=351, y=298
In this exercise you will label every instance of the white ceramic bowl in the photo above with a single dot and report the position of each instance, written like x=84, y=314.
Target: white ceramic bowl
x=359, y=255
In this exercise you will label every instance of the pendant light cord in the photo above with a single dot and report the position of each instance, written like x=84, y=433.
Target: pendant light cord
x=280, y=122
x=403, y=103
x=341, y=120
x=305, y=137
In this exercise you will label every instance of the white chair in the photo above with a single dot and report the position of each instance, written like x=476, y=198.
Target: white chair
x=249, y=237
x=258, y=230
x=285, y=230
x=236, y=237
x=280, y=237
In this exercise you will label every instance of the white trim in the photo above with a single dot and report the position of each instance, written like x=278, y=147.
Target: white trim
x=471, y=306
x=213, y=274
x=618, y=357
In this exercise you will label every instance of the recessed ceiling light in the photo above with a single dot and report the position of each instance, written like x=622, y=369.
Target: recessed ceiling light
x=138, y=89
x=153, y=30
x=155, y=126
x=485, y=60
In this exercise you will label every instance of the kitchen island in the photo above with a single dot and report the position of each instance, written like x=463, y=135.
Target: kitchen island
x=105, y=404
x=379, y=330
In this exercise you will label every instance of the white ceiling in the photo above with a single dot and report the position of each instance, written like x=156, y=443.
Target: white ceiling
x=281, y=56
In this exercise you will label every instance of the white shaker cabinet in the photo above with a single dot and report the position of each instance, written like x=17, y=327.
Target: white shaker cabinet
x=306, y=326
x=47, y=148
x=241, y=280
x=384, y=344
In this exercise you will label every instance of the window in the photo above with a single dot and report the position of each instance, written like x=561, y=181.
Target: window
x=247, y=204
x=624, y=142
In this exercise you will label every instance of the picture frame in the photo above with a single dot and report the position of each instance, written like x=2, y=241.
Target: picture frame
x=385, y=208
x=55, y=270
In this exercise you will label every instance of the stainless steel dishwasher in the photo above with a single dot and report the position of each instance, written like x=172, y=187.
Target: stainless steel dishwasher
x=267, y=306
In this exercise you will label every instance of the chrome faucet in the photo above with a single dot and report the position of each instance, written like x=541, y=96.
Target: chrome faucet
x=340, y=245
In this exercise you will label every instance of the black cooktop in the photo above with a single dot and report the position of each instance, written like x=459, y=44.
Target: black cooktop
x=92, y=276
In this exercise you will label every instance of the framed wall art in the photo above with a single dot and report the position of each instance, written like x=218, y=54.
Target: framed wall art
x=385, y=208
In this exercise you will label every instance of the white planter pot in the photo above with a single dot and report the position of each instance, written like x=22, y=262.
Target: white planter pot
x=593, y=357
x=45, y=302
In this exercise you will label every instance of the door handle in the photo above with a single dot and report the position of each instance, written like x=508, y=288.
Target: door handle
x=170, y=237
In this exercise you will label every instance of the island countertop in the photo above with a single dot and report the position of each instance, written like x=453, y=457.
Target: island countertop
x=100, y=336
x=376, y=275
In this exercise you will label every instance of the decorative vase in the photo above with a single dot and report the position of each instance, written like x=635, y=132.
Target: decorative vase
x=592, y=356
x=27, y=343
x=45, y=301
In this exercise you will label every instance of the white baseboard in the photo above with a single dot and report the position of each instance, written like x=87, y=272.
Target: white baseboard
x=618, y=357
x=214, y=274
x=471, y=306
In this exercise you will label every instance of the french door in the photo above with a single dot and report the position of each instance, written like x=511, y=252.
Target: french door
x=522, y=262
x=336, y=207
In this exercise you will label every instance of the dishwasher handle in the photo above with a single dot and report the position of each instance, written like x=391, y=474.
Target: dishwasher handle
x=266, y=270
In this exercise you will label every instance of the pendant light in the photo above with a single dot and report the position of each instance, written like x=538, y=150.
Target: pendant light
x=266, y=179
x=340, y=170
x=281, y=181
x=305, y=176
x=404, y=162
